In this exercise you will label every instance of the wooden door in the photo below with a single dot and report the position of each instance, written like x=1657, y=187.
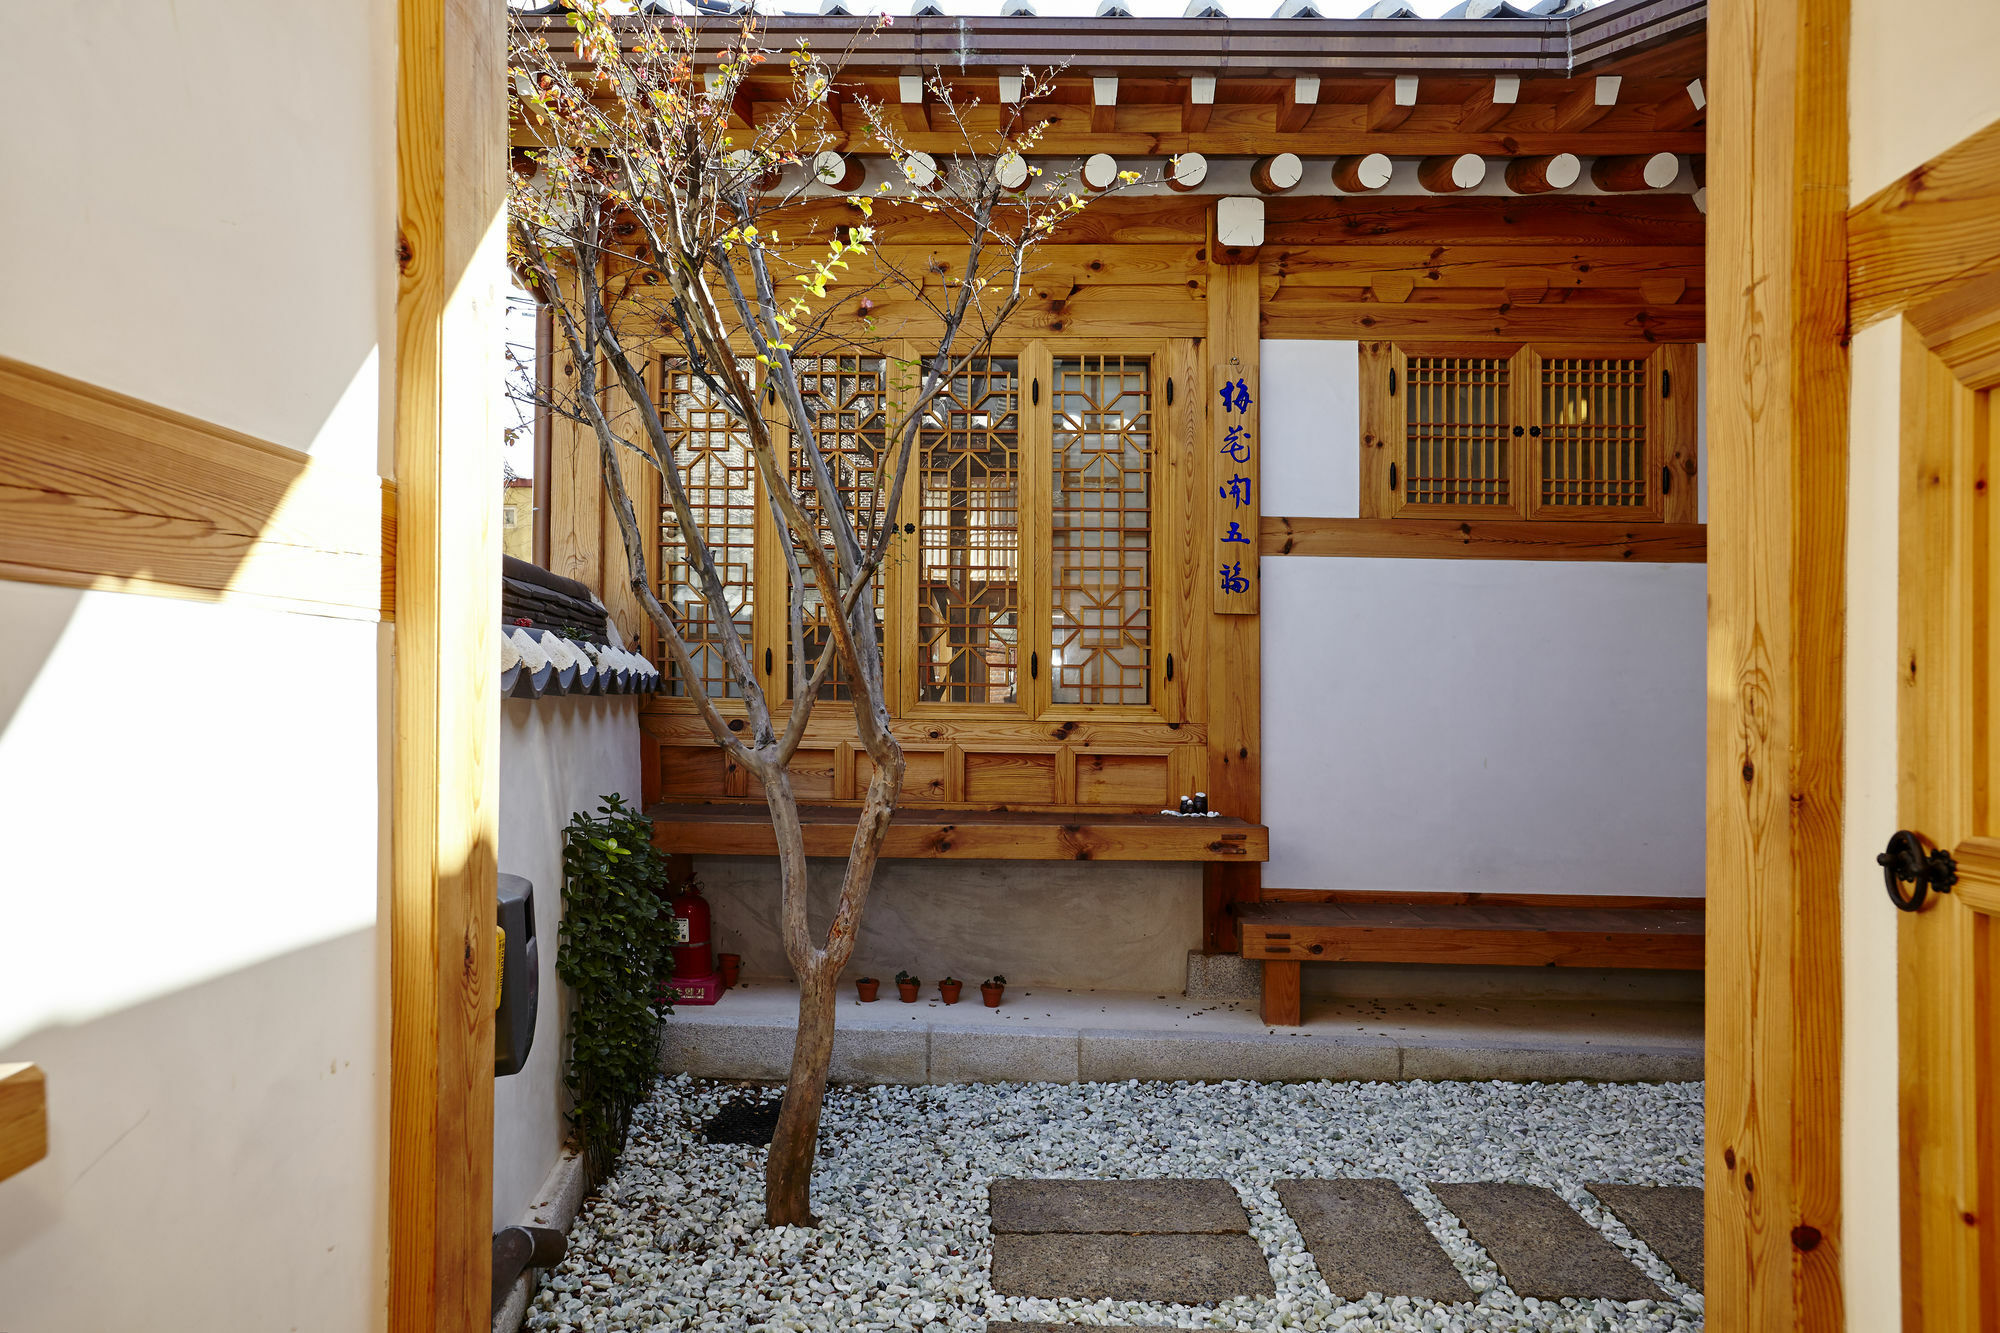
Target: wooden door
x=1949, y=941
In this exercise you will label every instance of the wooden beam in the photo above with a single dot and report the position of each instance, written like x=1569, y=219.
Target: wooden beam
x=1103, y=105
x=24, y=1118
x=451, y=156
x=98, y=490
x=1587, y=105
x=1540, y=175
x=910, y=92
x=1308, y=314
x=1490, y=105
x=1392, y=106
x=1935, y=229
x=1198, y=104
x=1663, y=291
x=1634, y=172
x=1778, y=451
x=1361, y=172
x=1300, y=100
x=1449, y=173
x=1234, y=671
x=1684, y=110
x=1280, y=1004
x=1481, y=539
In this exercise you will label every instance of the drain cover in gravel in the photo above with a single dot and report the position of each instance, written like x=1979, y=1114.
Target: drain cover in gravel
x=1127, y=1207
x=1187, y=1270
x=1367, y=1237
x=1666, y=1217
x=1541, y=1246
x=748, y=1122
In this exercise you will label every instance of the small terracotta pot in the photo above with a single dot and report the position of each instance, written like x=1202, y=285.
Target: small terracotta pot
x=948, y=991
x=866, y=987
x=908, y=990
x=992, y=994
x=732, y=967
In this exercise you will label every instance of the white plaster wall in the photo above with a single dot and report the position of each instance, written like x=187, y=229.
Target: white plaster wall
x=557, y=757
x=1311, y=391
x=1915, y=88
x=1110, y=925
x=1483, y=725
x=199, y=211
x=189, y=881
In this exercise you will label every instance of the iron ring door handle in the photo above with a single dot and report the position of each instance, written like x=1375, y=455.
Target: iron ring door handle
x=1909, y=859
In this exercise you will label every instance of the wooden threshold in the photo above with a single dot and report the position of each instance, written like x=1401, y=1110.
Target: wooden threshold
x=999, y=835
x=1480, y=539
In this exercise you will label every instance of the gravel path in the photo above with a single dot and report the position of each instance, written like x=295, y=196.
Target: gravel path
x=676, y=1241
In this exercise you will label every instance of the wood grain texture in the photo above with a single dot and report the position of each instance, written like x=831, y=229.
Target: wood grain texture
x=24, y=1117
x=451, y=159
x=1778, y=425
x=744, y=829
x=1472, y=933
x=100, y=490
x=1944, y=1000
x=1469, y=539
x=1935, y=229
x=1279, y=1004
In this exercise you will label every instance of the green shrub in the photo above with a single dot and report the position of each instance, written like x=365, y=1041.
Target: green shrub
x=616, y=958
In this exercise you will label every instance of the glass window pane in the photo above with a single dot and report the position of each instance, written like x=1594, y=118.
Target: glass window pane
x=969, y=529
x=1593, y=432
x=720, y=475
x=1456, y=448
x=847, y=399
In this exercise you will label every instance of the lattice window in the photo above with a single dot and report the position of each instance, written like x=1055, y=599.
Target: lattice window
x=969, y=528
x=1594, y=432
x=720, y=475
x=848, y=399
x=1456, y=451
x=1101, y=572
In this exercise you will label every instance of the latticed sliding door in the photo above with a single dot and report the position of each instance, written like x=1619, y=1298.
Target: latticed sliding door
x=720, y=476
x=847, y=398
x=1101, y=531
x=1457, y=451
x=1596, y=455
x=969, y=565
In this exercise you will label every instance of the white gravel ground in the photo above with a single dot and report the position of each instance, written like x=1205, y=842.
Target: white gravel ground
x=676, y=1239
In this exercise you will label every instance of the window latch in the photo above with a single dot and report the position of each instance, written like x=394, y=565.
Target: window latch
x=1170, y=666
x=1666, y=383
x=767, y=661
x=1392, y=381
x=1034, y=666
x=1666, y=480
x=1535, y=431
x=1170, y=391
x=1519, y=431
x=1035, y=392
x=1392, y=476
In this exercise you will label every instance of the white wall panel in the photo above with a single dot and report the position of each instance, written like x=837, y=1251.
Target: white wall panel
x=1311, y=464
x=1499, y=726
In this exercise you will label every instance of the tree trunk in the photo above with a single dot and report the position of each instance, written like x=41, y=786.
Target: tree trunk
x=788, y=1173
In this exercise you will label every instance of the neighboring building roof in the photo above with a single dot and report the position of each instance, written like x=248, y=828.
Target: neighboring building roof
x=1220, y=36
x=557, y=639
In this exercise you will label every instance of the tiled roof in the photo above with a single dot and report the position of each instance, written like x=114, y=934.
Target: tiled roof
x=537, y=663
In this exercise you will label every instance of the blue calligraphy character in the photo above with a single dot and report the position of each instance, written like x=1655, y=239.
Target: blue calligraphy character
x=1235, y=534
x=1233, y=578
x=1236, y=444
x=1235, y=395
x=1237, y=488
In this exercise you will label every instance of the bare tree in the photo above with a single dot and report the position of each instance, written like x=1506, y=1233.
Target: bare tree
x=654, y=228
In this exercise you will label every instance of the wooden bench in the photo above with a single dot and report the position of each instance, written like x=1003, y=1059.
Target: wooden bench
x=744, y=829
x=1514, y=930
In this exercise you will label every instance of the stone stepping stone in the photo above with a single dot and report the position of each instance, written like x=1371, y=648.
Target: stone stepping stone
x=1541, y=1246
x=1117, y=1207
x=1182, y=1269
x=1666, y=1217
x=1366, y=1236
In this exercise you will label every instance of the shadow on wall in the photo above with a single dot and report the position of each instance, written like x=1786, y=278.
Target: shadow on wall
x=1100, y=925
x=35, y=625
x=157, y=1169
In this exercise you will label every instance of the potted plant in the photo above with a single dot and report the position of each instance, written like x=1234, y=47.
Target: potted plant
x=949, y=988
x=991, y=989
x=866, y=987
x=906, y=987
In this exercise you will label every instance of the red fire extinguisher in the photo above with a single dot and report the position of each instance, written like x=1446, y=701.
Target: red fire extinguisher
x=693, y=948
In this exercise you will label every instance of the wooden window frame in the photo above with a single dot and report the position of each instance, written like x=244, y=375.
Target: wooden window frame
x=1672, y=432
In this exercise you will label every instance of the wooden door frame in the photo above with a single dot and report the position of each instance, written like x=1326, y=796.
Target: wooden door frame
x=451, y=156
x=1778, y=434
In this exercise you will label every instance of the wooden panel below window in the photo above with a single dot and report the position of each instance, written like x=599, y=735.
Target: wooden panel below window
x=926, y=776
x=1138, y=781
x=812, y=775
x=691, y=771
x=1010, y=779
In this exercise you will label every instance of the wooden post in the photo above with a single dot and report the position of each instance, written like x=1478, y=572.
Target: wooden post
x=451, y=160
x=1776, y=577
x=1233, y=660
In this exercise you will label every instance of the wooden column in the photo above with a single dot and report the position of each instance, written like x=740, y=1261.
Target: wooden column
x=1776, y=577
x=451, y=156
x=1234, y=786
